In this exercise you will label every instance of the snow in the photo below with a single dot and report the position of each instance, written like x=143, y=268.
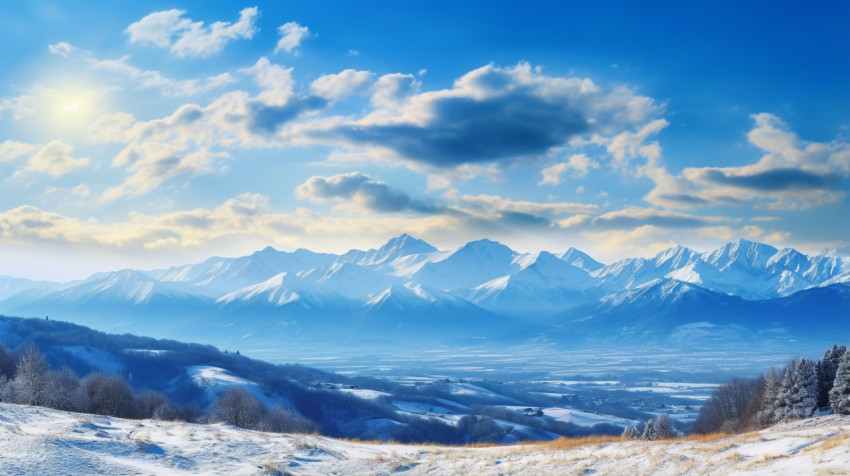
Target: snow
x=97, y=358
x=581, y=418
x=365, y=393
x=215, y=381
x=42, y=441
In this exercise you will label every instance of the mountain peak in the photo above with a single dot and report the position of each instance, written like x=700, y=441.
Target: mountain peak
x=676, y=257
x=402, y=245
x=579, y=259
x=743, y=252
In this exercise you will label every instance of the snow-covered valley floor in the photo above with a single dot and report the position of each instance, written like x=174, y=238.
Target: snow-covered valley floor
x=42, y=441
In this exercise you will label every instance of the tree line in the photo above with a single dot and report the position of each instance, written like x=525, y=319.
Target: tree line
x=27, y=379
x=798, y=390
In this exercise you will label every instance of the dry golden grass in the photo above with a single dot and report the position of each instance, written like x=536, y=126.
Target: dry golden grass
x=705, y=437
x=834, y=442
x=832, y=471
x=564, y=443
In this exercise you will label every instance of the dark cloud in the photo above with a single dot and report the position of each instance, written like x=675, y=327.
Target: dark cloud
x=519, y=219
x=194, y=221
x=464, y=130
x=772, y=180
x=266, y=119
x=372, y=194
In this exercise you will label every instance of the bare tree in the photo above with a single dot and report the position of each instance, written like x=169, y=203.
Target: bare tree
x=725, y=409
x=239, y=408
x=279, y=420
x=110, y=395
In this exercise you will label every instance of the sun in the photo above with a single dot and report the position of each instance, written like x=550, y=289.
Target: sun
x=71, y=108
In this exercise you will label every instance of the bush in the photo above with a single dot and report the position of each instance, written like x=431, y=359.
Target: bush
x=110, y=395
x=238, y=407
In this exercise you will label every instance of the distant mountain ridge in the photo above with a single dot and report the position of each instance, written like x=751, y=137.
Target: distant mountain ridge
x=410, y=286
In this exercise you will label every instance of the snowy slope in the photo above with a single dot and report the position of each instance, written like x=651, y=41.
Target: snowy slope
x=218, y=276
x=398, y=247
x=42, y=441
x=284, y=289
x=543, y=279
x=579, y=259
x=472, y=264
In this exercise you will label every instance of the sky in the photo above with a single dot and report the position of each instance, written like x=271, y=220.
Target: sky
x=146, y=134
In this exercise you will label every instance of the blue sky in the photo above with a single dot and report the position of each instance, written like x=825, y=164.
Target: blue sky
x=152, y=133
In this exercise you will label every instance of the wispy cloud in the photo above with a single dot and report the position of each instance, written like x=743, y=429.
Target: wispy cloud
x=145, y=79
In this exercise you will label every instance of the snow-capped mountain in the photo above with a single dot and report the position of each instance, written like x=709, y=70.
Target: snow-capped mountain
x=552, y=284
x=409, y=281
x=284, y=289
x=403, y=245
x=470, y=265
x=217, y=276
x=670, y=311
x=579, y=259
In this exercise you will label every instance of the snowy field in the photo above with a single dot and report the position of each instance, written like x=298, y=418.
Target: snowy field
x=42, y=441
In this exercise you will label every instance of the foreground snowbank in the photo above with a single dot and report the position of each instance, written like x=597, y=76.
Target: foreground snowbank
x=43, y=441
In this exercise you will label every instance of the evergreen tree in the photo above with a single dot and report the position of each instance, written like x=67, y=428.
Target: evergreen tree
x=798, y=395
x=649, y=430
x=827, y=366
x=839, y=396
x=631, y=433
x=663, y=427
x=768, y=403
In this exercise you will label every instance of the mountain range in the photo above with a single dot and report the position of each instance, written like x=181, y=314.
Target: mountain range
x=408, y=289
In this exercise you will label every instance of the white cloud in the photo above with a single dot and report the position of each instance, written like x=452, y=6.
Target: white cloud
x=145, y=79
x=149, y=79
x=627, y=145
x=337, y=86
x=392, y=90
x=54, y=159
x=63, y=49
x=580, y=163
x=291, y=36
x=186, y=38
x=792, y=174
x=12, y=149
x=20, y=106
x=495, y=203
x=276, y=81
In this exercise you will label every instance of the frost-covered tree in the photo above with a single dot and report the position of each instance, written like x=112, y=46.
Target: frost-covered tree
x=649, y=430
x=767, y=403
x=63, y=391
x=631, y=433
x=798, y=395
x=839, y=396
x=30, y=384
x=826, y=368
x=663, y=427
